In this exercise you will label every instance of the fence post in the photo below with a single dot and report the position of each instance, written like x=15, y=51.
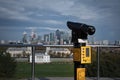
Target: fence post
x=33, y=62
x=98, y=63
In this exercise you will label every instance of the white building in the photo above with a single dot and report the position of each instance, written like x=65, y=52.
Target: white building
x=19, y=51
x=61, y=50
x=2, y=42
x=40, y=58
x=105, y=42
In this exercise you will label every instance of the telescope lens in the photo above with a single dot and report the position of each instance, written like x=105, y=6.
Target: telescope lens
x=91, y=30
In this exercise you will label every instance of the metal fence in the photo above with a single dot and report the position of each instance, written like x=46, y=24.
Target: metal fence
x=33, y=46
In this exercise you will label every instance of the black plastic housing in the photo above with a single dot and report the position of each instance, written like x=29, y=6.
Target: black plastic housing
x=80, y=30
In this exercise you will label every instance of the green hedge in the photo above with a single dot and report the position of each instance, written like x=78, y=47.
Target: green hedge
x=109, y=65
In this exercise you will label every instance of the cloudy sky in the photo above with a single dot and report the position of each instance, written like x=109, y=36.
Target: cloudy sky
x=17, y=16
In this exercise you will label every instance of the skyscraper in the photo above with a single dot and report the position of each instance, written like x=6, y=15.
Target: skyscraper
x=46, y=38
x=24, y=39
x=52, y=38
x=58, y=35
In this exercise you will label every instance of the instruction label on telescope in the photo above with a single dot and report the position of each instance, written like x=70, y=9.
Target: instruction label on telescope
x=76, y=54
x=85, y=54
x=82, y=41
x=80, y=73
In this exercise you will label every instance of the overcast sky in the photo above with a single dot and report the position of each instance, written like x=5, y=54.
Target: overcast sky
x=17, y=16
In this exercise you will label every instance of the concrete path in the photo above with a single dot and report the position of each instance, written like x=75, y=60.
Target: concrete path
x=70, y=78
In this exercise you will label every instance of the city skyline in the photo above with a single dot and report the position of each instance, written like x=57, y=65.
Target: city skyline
x=58, y=37
x=47, y=16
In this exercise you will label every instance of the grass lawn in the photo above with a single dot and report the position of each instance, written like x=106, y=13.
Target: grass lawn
x=45, y=70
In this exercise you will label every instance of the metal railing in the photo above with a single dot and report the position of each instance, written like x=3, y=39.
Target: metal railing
x=57, y=46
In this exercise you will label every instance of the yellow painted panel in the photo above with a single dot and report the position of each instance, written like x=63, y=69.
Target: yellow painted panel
x=85, y=54
x=76, y=54
x=80, y=73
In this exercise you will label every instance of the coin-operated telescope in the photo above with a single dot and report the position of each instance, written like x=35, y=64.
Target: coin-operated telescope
x=80, y=30
x=81, y=52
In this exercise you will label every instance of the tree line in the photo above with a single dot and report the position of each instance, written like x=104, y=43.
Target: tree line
x=109, y=63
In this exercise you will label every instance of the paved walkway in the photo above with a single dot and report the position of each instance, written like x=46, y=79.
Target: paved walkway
x=70, y=78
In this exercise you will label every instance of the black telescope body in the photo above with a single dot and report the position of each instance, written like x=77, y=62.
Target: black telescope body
x=80, y=30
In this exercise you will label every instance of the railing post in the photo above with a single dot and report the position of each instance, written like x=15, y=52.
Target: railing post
x=98, y=63
x=33, y=62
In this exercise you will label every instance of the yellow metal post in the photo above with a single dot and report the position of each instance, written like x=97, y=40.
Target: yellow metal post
x=81, y=56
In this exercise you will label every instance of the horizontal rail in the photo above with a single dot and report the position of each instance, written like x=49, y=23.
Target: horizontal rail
x=39, y=45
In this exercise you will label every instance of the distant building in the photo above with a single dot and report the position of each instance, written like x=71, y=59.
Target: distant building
x=58, y=35
x=39, y=39
x=98, y=42
x=33, y=37
x=105, y=42
x=2, y=42
x=24, y=40
x=46, y=39
x=19, y=51
x=61, y=52
x=65, y=37
x=41, y=58
x=52, y=38
x=117, y=42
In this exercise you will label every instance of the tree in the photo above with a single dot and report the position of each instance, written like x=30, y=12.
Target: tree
x=7, y=65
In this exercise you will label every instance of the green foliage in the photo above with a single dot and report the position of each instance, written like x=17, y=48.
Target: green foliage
x=3, y=49
x=7, y=65
x=92, y=68
x=109, y=65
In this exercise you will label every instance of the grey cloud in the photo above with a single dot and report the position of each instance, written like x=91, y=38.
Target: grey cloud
x=83, y=9
x=101, y=13
x=44, y=28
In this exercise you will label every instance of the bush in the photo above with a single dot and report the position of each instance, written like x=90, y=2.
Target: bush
x=7, y=65
x=109, y=65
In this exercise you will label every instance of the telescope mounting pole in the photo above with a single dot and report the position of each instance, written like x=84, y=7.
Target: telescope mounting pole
x=77, y=64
